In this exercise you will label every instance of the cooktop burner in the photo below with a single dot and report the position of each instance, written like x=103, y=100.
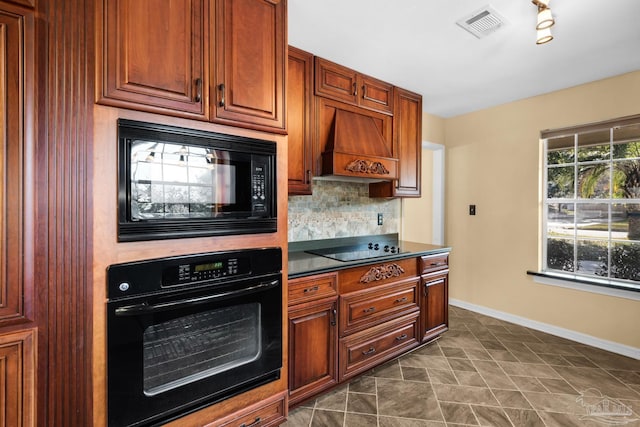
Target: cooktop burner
x=359, y=252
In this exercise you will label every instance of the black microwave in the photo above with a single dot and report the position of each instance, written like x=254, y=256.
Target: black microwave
x=175, y=183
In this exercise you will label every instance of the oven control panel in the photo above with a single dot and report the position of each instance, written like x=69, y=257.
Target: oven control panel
x=152, y=276
x=187, y=273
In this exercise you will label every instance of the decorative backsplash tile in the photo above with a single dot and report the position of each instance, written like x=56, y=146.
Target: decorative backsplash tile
x=340, y=209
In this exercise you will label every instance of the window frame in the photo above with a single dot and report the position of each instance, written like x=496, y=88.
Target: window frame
x=582, y=279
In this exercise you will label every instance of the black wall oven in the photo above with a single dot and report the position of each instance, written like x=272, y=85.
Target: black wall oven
x=185, y=332
x=175, y=182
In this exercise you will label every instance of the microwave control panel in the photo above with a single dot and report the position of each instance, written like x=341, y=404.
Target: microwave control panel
x=259, y=187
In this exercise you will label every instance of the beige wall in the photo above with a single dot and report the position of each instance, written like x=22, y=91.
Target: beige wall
x=417, y=213
x=493, y=161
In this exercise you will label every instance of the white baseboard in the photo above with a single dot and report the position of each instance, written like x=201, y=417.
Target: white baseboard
x=611, y=346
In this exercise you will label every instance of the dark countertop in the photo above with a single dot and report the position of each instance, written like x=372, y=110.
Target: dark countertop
x=303, y=264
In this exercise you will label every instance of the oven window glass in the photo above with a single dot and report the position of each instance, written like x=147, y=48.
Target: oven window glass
x=186, y=349
x=170, y=181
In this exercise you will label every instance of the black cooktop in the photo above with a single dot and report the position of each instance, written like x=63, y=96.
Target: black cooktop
x=359, y=252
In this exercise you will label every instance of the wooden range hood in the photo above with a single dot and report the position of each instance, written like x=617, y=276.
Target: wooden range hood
x=357, y=149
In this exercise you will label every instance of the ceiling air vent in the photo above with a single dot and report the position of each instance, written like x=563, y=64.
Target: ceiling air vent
x=482, y=22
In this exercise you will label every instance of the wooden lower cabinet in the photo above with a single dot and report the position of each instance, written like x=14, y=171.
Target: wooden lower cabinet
x=312, y=349
x=17, y=378
x=382, y=311
x=435, y=305
x=434, y=295
x=313, y=336
x=269, y=412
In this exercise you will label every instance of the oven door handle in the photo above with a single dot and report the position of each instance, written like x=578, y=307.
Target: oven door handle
x=144, y=308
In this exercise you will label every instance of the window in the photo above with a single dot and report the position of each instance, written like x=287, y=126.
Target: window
x=591, y=209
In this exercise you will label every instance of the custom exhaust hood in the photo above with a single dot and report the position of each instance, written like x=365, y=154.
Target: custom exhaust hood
x=357, y=150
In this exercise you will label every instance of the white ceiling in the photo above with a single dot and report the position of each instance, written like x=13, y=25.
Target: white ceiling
x=416, y=44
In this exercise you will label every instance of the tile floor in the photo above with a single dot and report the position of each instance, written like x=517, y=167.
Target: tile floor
x=486, y=372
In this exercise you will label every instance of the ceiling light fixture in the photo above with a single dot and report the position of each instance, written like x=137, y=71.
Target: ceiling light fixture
x=544, y=22
x=544, y=36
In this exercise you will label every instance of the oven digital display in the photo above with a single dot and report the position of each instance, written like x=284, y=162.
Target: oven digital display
x=211, y=266
x=206, y=269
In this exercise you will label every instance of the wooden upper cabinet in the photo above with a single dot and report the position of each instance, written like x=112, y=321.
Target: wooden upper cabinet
x=407, y=140
x=250, y=61
x=218, y=60
x=16, y=165
x=300, y=120
x=335, y=81
x=344, y=84
x=155, y=56
x=376, y=94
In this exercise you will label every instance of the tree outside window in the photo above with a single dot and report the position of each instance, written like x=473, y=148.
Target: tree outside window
x=592, y=203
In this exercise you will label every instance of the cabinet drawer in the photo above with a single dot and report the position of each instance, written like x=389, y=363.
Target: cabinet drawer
x=312, y=288
x=365, y=309
x=371, y=347
x=368, y=276
x=271, y=412
x=435, y=262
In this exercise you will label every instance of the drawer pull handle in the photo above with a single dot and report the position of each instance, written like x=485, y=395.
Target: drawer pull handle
x=435, y=264
x=355, y=89
x=314, y=289
x=369, y=310
x=399, y=300
x=334, y=315
x=254, y=423
x=221, y=88
x=402, y=337
x=198, y=96
x=370, y=351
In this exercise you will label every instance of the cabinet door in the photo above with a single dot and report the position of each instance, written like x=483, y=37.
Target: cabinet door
x=155, y=57
x=17, y=378
x=250, y=49
x=407, y=139
x=376, y=94
x=336, y=82
x=435, y=309
x=16, y=157
x=300, y=120
x=312, y=348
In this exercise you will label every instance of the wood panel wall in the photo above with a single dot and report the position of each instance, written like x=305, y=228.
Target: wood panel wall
x=63, y=231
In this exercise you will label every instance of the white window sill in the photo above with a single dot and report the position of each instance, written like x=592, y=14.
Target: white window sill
x=596, y=286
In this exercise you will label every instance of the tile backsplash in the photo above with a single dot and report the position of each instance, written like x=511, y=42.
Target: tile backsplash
x=340, y=209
